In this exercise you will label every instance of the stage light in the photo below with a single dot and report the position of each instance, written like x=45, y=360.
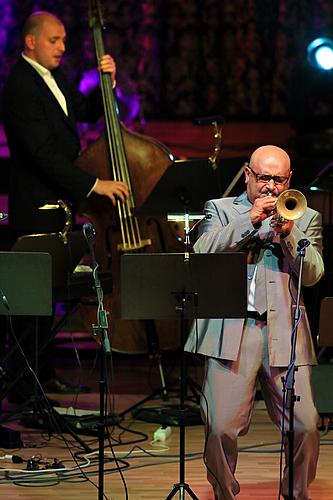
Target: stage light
x=320, y=53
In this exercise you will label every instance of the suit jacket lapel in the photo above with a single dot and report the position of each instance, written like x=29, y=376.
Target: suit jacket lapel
x=48, y=95
x=242, y=204
x=70, y=119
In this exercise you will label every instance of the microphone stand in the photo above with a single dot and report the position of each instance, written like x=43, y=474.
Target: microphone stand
x=289, y=381
x=102, y=331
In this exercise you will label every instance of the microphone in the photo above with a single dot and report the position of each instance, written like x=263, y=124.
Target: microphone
x=3, y=216
x=208, y=120
x=89, y=232
x=303, y=243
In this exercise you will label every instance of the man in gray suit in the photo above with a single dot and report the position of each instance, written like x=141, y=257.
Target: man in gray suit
x=239, y=351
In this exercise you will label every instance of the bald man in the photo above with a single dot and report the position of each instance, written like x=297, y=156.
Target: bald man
x=41, y=109
x=240, y=352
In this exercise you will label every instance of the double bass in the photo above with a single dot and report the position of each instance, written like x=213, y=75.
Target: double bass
x=139, y=161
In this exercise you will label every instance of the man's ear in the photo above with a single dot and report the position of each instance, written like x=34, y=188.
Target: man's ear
x=246, y=172
x=29, y=41
x=290, y=177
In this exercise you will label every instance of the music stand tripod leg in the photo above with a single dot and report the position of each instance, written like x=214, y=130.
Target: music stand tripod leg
x=155, y=353
x=182, y=486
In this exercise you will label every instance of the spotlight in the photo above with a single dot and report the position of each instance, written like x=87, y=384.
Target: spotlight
x=320, y=53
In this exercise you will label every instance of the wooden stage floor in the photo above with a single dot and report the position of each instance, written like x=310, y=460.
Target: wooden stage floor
x=149, y=470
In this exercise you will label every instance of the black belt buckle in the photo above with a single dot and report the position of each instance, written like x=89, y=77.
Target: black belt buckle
x=258, y=317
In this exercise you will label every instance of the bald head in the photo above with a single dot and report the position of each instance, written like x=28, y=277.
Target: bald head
x=271, y=163
x=34, y=22
x=44, y=39
x=269, y=155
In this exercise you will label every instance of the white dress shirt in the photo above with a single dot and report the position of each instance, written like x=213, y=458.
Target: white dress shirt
x=50, y=82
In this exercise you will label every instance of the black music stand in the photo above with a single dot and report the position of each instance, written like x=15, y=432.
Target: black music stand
x=63, y=259
x=323, y=372
x=180, y=194
x=176, y=286
x=27, y=277
x=325, y=333
x=25, y=287
x=25, y=284
x=185, y=185
x=190, y=183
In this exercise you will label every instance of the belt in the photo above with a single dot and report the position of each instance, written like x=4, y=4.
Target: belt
x=255, y=315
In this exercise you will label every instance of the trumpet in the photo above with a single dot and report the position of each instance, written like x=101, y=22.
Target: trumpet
x=290, y=205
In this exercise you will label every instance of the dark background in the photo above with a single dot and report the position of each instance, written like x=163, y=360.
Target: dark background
x=243, y=58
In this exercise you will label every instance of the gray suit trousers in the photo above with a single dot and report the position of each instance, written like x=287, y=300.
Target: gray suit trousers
x=229, y=393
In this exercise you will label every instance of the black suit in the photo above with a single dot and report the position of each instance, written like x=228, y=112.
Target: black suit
x=43, y=144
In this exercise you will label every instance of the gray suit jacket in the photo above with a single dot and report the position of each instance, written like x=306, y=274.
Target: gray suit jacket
x=228, y=227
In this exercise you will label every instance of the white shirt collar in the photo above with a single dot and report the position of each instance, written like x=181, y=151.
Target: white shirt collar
x=49, y=81
x=43, y=72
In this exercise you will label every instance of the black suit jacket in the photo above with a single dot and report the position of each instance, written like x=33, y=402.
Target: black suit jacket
x=43, y=144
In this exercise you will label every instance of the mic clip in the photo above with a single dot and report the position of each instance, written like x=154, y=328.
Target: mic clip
x=302, y=244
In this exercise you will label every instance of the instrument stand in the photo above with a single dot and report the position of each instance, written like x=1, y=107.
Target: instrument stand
x=180, y=286
x=289, y=380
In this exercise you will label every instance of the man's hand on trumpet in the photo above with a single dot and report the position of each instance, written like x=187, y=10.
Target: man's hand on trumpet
x=281, y=226
x=262, y=208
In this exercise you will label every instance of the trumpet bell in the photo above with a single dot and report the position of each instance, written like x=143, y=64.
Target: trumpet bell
x=291, y=204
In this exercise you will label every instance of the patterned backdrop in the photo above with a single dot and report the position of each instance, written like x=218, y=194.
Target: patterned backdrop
x=184, y=58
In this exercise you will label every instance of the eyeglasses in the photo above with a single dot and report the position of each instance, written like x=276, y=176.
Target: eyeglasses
x=278, y=179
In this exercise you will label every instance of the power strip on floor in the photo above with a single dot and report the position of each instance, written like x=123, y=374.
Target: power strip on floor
x=162, y=433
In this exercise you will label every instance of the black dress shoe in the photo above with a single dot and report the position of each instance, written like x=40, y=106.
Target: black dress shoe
x=58, y=386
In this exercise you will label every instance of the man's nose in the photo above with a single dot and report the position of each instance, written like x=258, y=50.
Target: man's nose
x=61, y=46
x=271, y=185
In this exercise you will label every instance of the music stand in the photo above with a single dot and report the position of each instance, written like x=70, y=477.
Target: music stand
x=28, y=287
x=184, y=184
x=190, y=183
x=63, y=258
x=183, y=189
x=172, y=286
x=322, y=373
x=25, y=284
x=325, y=333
